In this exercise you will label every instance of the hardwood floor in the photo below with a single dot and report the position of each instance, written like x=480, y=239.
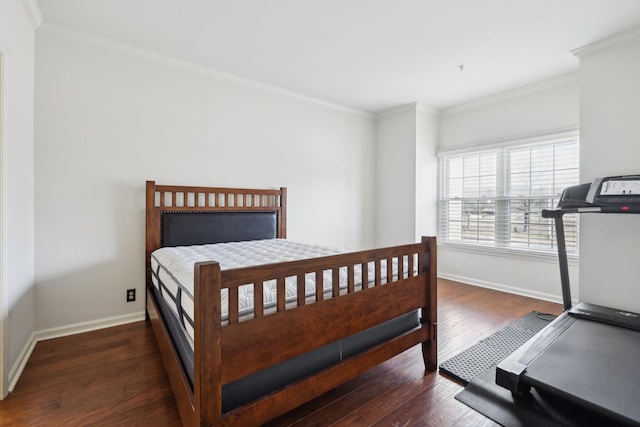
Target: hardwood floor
x=115, y=376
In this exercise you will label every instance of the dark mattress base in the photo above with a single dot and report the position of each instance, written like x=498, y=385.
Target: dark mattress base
x=261, y=383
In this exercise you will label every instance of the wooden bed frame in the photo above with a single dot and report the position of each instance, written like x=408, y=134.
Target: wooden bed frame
x=224, y=353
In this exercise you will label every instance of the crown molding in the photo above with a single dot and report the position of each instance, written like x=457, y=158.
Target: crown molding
x=514, y=93
x=66, y=33
x=631, y=35
x=414, y=106
x=33, y=12
x=398, y=110
x=427, y=109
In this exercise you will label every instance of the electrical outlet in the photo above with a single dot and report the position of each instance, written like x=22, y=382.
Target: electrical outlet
x=131, y=295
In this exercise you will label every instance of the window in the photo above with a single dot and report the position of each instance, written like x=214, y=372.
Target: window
x=493, y=197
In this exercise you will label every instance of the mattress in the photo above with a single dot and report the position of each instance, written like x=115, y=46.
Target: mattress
x=173, y=273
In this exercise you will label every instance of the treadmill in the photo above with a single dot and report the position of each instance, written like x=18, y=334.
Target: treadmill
x=588, y=356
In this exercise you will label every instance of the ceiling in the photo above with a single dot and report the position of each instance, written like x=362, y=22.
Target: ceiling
x=372, y=55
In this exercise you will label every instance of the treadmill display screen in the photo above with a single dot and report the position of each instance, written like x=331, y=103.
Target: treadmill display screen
x=620, y=188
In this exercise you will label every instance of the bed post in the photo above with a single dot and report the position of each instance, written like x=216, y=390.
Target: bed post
x=430, y=312
x=151, y=232
x=282, y=220
x=207, y=387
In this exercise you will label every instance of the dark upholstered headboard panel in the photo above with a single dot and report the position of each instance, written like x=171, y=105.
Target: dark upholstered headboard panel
x=197, y=228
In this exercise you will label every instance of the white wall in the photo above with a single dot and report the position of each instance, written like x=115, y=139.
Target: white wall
x=107, y=121
x=395, y=176
x=426, y=197
x=406, y=172
x=541, y=108
x=17, y=50
x=610, y=136
x=537, y=108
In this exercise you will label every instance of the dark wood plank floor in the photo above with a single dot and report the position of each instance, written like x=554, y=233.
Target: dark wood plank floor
x=115, y=376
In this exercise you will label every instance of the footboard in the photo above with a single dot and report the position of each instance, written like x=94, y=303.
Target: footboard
x=391, y=282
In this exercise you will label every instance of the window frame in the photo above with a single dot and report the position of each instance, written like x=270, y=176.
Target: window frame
x=501, y=198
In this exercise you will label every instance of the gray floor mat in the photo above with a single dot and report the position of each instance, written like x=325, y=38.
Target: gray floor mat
x=493, y=349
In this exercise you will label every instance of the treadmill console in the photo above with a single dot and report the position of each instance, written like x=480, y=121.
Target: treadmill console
x=621, y=192
x=612, y=194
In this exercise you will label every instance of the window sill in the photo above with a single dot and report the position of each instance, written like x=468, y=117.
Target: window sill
x=524, y=254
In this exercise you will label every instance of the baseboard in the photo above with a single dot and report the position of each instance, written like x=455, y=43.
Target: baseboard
x=503, y=288
x=63, y=331
x=18, y=367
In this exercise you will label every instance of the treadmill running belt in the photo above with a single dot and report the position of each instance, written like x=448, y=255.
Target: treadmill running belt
x=595, y=365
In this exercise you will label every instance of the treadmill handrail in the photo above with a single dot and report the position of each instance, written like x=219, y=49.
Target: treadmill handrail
x=557, y=215
x=563, y=262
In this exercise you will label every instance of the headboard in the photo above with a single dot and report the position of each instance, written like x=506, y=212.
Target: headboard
x=185, y=215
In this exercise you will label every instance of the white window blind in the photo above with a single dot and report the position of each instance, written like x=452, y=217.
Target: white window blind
x=494, y=197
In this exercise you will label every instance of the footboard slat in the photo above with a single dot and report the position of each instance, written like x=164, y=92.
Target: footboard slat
x=351, y=281
x=335, y=282
x=281, y=294
x=258, y=299
x=365, y=275
x=233, y=305
x=319, y=286
x=300, y=289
